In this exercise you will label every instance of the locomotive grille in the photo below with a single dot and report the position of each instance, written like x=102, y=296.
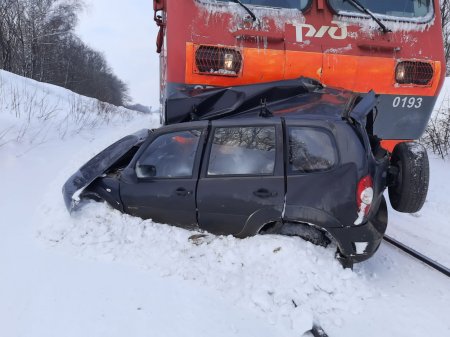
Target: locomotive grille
x=218, y=60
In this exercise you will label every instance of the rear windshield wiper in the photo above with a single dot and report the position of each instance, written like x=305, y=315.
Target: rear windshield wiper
x=360, y=7
x=246, y=8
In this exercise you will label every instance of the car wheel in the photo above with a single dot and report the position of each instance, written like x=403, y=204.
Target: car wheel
x=306, y=232
x=409, y=185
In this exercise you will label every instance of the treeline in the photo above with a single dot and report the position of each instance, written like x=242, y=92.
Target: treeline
x=37, y=40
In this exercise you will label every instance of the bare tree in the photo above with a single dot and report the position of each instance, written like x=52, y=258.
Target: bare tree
x=437, y=134
x=37, y=40
x=445, y=13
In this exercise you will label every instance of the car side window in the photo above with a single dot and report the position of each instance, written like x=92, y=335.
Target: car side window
x=310, y=150
x=171, y=155
x=242, y=151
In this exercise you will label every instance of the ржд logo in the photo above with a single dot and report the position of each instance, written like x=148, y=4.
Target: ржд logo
x=338, y=32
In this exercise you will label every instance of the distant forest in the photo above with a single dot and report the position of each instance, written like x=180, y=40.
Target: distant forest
x=37, y=40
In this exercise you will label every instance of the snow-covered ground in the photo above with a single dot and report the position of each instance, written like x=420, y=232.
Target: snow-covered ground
x=102, y=273
x=428, y=231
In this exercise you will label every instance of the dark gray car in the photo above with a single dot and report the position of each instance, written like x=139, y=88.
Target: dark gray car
x=309, y=168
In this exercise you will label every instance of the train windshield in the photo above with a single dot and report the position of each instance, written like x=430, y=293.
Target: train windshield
x=418, y=9
x=296, y=4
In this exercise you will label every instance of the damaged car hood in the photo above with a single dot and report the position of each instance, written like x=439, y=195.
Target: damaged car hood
x=98, y=165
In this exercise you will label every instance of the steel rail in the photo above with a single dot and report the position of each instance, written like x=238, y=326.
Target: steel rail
x=433, y=264
x=317, y=331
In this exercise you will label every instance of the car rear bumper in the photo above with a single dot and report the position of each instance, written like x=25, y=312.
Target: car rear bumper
x=358, y=243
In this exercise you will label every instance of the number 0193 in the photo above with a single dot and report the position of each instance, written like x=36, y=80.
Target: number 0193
x=407, y=102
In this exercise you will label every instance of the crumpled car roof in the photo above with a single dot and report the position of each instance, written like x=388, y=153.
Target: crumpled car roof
x=297, y=97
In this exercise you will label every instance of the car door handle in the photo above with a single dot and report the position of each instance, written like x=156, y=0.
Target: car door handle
x=264, y=193
x=182, y=192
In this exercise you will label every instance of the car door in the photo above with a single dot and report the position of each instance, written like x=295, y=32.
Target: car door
x=320, y=186
x=242, y=181
x=166, y=174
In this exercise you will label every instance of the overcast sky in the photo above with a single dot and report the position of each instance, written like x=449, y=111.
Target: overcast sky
x=124, y=31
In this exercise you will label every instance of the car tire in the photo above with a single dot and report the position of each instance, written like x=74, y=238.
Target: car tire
x=409, y=187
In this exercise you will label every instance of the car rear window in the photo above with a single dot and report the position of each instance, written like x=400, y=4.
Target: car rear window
x=310, y=150
x=242, y=151
x=171, y=155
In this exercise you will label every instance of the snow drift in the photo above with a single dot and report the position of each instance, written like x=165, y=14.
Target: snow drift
x=33, y=113
x=100, y=272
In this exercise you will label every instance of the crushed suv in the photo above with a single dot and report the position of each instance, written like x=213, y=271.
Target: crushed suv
x=303, y=165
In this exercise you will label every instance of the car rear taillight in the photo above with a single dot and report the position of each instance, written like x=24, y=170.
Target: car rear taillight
x=364, y=198
x=414, y=72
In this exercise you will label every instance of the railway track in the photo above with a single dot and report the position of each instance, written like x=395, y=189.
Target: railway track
x=317, y=331
x=424, y=259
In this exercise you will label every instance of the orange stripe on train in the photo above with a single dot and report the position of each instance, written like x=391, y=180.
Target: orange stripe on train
x=356, y=73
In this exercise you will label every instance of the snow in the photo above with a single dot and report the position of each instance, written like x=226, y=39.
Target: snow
x=103, y=273
x=279, y=16
x=428, y=231
x=34, y=113
x=394, y=24
x=338, y=50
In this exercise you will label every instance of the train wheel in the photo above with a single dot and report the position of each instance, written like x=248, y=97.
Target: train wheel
x=409, y=185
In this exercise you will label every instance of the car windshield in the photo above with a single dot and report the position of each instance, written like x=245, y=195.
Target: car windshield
x=298, y=4
x=394, y=8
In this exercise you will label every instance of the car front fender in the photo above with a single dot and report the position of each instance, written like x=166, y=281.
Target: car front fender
x=97, y=166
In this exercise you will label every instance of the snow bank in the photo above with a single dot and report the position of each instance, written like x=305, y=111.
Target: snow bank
x=282, y=280
x=33, y=113
x=101, y=272
x=286, y=281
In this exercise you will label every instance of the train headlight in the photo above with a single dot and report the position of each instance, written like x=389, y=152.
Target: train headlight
x=400, y=72
x=228, y=63
x=218, y=61
x=414, y=72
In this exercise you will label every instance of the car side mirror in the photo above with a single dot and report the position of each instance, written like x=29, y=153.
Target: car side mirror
x=147, y=171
